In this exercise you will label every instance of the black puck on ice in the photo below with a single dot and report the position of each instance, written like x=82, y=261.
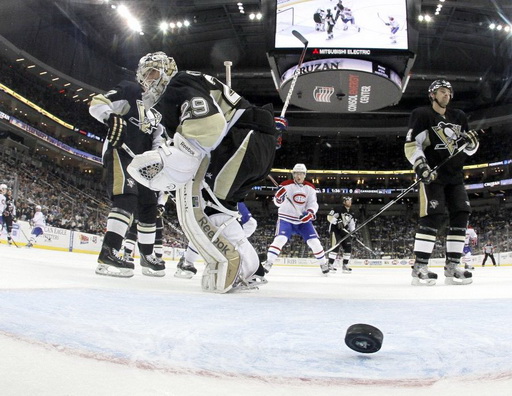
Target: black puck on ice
x=364, y=338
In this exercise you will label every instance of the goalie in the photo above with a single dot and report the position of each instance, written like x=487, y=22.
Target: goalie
x=222, y=146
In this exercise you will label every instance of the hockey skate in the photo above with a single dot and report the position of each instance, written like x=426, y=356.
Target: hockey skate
x=110, y=264
x=332, y=268
x=257, y=280
x=325, y=268
x=421, y=276
x=29, y=245
x=468, y=267
x=151, y=266
x=185, y=269
x=267, y=266
x=455, y=275
x=346, y=269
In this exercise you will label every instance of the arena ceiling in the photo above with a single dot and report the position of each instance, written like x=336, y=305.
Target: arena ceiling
x=85, y=40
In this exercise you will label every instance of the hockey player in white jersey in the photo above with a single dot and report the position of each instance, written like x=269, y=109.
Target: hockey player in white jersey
x=470, y=240
x=38, y=223
x=298, y=205
x=347, y=17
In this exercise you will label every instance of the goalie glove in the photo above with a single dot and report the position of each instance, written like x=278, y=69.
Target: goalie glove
x=166, y=168
x=280, y=196
x=116, y=130
x=307, y=216
x=423, y=170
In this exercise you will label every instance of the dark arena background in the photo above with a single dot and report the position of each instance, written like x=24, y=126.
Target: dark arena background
x=77, y=333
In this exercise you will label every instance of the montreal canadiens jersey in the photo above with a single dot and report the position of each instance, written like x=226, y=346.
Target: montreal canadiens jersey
x=303, y=197
x=435, y=137
x=471, y=237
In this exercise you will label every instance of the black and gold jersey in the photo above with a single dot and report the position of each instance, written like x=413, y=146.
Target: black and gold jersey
x=437, y=137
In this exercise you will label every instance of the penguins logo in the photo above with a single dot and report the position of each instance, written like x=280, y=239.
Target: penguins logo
x=449, y=134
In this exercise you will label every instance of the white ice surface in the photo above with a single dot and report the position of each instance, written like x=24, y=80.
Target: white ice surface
x=66, y=331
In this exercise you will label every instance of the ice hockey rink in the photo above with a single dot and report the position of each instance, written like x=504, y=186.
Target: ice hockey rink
x=66, y=331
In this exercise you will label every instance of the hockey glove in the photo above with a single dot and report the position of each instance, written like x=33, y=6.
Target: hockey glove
x=280, y=195
x=332, y=217
x=160, y=210
x=281, y=126
x=471, y=138
x=116, y=130
x=307, y=216
x=423, y=171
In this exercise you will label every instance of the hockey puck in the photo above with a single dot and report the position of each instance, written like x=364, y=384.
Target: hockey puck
x=364, y=338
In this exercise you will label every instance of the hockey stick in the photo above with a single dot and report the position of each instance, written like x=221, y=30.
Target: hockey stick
x=297, y=71
x=382, y=19
x=398, y=198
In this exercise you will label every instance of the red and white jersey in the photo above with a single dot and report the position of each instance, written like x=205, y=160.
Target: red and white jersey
x=471, y=237
x=303, y=197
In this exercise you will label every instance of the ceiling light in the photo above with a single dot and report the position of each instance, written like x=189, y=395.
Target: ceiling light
x=499, y=27
x=163, y=26
x=31, y=66
x=55, y=79
x=492, y=26
x=20, y=59
x=186, y=23
x=43, y=73
x=79, y=89
x=67, y=84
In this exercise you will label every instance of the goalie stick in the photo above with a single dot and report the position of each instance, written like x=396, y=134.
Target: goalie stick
x=398, y=198
x=297, y=71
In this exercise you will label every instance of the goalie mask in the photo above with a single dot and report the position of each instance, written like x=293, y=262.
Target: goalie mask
x=154, y=73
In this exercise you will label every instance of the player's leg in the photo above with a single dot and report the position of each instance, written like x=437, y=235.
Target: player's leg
x=309, y=234
x=146, y=232
x=124, y=203
x=347, y=252
x=185, y=268
x=459, y=210
x=431, y=217
x=284, y=231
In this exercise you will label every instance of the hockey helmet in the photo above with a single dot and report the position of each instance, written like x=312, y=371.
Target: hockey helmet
x=299, y=168
x=438, y=84
x=155, y=87
x=345, y=199
x=38, y=207
x=3, y=187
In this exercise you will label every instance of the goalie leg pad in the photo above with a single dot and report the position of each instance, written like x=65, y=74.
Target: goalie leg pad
x=220, y=255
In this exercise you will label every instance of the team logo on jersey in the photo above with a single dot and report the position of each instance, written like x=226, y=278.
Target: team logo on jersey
x=299, y=199
x=130, y=182
x=449, y=134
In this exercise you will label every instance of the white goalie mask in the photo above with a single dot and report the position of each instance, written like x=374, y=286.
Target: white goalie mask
x=154, y=84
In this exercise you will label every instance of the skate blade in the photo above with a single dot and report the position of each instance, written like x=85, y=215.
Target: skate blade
x=346, y=272
x=110, y=270
x=423, y=282
x=152, y=273
x=450, y=280
x=183, y=274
